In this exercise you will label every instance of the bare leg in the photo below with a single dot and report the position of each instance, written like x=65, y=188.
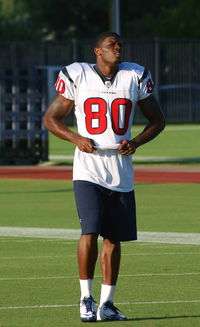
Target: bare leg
x=87, y=255
x=110, y=261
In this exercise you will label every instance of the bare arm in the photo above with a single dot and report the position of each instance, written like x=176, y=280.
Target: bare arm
x=53, y=121
x=151, y=110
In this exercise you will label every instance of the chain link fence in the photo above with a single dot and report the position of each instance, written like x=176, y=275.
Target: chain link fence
x=28, y=72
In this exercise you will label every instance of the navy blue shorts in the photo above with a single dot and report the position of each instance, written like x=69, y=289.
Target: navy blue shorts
x=105, y=212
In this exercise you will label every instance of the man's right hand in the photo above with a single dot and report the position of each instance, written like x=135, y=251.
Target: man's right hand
x=84, y=144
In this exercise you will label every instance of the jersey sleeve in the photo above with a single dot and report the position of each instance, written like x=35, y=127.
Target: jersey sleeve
x=145, y=86
x=65, y=85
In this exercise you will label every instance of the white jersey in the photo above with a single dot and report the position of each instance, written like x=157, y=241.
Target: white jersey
x=104, y=110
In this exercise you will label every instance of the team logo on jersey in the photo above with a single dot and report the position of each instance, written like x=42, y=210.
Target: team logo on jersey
x=60, y=85
x=108, y=84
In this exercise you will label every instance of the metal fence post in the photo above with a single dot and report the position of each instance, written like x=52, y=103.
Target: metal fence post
x=157, y=66
x=74, y=50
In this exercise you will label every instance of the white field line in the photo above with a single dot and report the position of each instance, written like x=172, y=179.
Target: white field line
x=69, y=234
x=74, y=234
x=60, y=241
x=158, y=254
x=59, y=233
x=171, y=238
x=38, y=257
x=56, y=240
x=55, y=157
x=99, y=276
x=53, y=306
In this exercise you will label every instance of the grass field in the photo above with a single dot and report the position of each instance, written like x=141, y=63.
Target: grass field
x=40, y=203
x=176, y=141
x=159, y=284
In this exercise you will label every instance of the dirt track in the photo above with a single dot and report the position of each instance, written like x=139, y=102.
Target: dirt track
x=142, y=174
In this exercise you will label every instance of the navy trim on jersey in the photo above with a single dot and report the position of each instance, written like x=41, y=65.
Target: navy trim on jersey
x=65, y=72
x=144, y=75
x=103, y=77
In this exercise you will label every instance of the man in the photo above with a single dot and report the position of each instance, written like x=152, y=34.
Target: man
x=104, y=95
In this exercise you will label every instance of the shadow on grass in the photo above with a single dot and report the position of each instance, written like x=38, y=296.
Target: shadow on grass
x=162, y=318
x=150, y=318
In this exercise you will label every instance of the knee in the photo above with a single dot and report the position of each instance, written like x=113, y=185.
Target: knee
x=109, y=246
x=88, y=239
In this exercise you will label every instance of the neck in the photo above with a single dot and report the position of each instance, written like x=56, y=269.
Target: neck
x=107, y=69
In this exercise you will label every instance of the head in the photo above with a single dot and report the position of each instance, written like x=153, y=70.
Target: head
x=107, y=48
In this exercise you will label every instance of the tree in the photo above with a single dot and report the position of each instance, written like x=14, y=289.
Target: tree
x=61, y=19
x=15, y=19
x=165, y=18
x=181, y=21
x=55, y=19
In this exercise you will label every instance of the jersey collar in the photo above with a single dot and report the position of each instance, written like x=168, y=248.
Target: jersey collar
x=106, y=80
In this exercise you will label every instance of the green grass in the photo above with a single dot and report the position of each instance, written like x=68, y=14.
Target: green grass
x=60, y=147
x=156, y=273
x=175, y=141
x=43, y=272
x=42, y=203
x=37, y=203
x=168, y=207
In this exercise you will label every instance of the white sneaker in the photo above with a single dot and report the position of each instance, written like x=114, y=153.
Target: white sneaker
x=88, y=309
x=109, y=312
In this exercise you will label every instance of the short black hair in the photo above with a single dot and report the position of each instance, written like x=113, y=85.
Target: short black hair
x=99, y=39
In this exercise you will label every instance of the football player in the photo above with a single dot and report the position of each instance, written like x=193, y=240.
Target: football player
x=103, y=96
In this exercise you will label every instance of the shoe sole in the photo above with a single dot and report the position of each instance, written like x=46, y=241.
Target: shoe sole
x=112, y=319
x=88, y=320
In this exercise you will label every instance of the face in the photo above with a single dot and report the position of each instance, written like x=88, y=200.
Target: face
x=109, y=50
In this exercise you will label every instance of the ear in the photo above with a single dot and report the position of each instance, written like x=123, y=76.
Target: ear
x=97, y=51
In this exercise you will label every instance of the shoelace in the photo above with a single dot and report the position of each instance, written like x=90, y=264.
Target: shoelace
x=88, y=303
x=111, y=306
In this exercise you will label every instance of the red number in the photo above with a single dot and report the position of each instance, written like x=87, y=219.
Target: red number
x=120, y=111
x=60, y=85
x=95, y=115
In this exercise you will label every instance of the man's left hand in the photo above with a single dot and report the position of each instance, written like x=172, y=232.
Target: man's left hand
x=127, y=147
